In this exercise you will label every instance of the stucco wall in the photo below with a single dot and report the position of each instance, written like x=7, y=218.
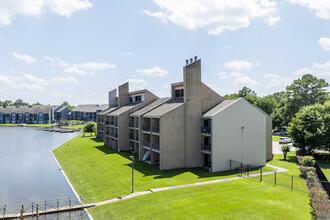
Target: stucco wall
x=228, y=137
x=172, y=139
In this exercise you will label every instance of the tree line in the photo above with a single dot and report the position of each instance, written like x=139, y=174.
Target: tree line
x=303, y=109
x=20, y=102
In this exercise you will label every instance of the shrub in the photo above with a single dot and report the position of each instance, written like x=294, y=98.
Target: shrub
x=308, y=161
x=310, y=175
x=90, y=127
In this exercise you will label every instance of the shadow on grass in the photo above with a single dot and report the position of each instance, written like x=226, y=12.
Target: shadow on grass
x=149, y=170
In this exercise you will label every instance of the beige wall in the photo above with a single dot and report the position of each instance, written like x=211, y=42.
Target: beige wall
x=123, y=97
x=269, y=138
x=209, y=98
x=172, y=139
x=192, y=114
x=228, y=139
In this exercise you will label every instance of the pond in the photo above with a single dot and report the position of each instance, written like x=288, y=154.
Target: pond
x=28, y=170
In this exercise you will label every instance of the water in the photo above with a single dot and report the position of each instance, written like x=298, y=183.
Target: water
x=28, y=171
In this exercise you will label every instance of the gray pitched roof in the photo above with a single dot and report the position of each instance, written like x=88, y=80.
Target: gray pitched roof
x=219, y=107
x=164, y=108
x=150, y=107
x=61, y=108
x=123, y=109
x=90, y=108
x=108, y=110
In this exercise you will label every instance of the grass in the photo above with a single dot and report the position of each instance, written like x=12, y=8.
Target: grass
x=29, y=125
x=277, y=137
x=98, y=172
x=325, y=167
x=238, y=199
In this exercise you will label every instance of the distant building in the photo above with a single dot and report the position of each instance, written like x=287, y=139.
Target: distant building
x=61, y=113
x=35, y=115
x=195, y=127
x=87, y=112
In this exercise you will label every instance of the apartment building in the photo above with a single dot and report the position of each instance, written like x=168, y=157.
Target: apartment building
x=195, y=127
x=87, y=112
x=35, y=115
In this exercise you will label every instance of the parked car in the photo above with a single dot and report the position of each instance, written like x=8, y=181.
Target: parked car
x=285, y=140
x=280, y=133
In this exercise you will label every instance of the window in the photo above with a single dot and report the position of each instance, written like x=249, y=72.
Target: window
x=138, y=98
x=179, y=93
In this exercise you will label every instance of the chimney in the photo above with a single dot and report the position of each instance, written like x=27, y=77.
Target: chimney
x=191, y=60
x=195, y=58
x=112, y=98
x=123, y=97
x=187, y=62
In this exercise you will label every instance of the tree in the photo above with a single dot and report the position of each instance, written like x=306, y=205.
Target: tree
x=246, y=91
x=310, y=128
x=231, y=96
x=267, y=104
x=65, y=103
x=302, y=92
x=285, y=149
x=7, y=103
x=89, y=128
x=19, y=102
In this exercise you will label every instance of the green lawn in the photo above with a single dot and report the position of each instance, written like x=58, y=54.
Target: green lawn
x=98, y=172
x=238, y=199
x=325, y=166
x=277, y=137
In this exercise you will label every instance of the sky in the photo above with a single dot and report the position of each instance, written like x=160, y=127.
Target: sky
x=77, y=50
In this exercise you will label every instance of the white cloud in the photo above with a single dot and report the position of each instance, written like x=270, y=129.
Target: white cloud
x=65, y=79
x=136, y=84
x=245, y=80
x=320, y=70
x=272, y=20
x=57, y=62
x=240, y=65
x=156, y=71
x=94, y=66
x=277, y=81
x=67, y=7
x=16, y=82
x=165, y=86
x=24, y=57
x=325, y=43
x=10, y=8
x=321, y=7
x=223, y=75
x=128, y=53
x=76, y=71
x=35, y=79
x=213, y=15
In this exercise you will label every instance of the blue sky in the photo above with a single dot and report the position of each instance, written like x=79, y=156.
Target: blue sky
x=77, y=50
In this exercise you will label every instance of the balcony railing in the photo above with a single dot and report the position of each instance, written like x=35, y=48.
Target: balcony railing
x=137, y=125
x=155, y=146
x=112, y=135
x=116, y=135
x=206, y=147
x=146, y=128
x=137, y=138
x=112, y=123
x=131, y=124
x=116, y=124
x=155, y=130
x=107, y=133
x=206, y=130
x=146, y=144
x=107, y=123
x=131, y=136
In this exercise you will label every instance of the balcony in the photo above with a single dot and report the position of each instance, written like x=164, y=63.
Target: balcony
x=155, y=147
x=112, y=135
x=137, y=138
x=206, y=131
x=112, y=123
x=146, y=128
x=206, y=148
x=155, y=130
x=107, y=133
x=107, y=123
x=131, y=125
x=146, y=144
x=137, y=126
x=131, y=136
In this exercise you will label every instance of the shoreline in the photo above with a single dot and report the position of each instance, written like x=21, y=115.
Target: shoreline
x=68, y=181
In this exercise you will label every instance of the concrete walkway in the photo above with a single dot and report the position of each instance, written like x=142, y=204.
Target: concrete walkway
x=132, y=195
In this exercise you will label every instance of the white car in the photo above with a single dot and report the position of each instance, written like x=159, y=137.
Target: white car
x=284, y=140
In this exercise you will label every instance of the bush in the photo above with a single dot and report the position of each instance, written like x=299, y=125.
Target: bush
x=89, y=127
x=310, y=175
x=308, y=161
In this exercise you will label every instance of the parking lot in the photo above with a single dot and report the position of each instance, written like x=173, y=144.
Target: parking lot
x=277, y=148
